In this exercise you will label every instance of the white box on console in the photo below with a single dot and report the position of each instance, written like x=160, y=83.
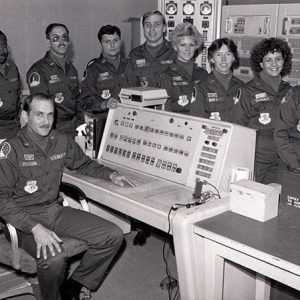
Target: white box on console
x=254, y=200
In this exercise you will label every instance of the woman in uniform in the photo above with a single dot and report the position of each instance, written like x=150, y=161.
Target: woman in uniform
x=217, y=98
x=260, y=100
x=287, y=131
x=183, y=74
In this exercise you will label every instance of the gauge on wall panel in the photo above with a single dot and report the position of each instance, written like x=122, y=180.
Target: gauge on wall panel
x=205, y=9
x=171, y=8
x=188, y=8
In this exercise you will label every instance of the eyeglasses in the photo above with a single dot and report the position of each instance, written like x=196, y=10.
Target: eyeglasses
x=55, y=38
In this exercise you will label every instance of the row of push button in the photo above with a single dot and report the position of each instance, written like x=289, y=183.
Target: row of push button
x=148, y=143
x=160, y=164
x=150, y=129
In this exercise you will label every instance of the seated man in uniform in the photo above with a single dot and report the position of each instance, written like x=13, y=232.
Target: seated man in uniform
x=56, y=76
x=10, y=89
x=103, y=79
x=31, y=166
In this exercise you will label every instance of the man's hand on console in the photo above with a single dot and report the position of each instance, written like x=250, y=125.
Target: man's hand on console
x=121, y=180
x=112, y=103
x=45, y=238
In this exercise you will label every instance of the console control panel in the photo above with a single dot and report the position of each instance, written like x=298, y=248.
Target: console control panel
x=175, y=147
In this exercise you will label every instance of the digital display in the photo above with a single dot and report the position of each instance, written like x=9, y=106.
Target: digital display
x=136, y=98
x=214, y=131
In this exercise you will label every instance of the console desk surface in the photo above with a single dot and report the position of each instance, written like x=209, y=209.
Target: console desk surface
x=150, y=201
x=270, y=248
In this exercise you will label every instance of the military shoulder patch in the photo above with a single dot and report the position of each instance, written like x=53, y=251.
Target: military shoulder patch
x=5, y=149
x=34, y=79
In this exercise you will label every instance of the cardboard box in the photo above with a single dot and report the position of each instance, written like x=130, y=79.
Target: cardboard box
x=254, y=200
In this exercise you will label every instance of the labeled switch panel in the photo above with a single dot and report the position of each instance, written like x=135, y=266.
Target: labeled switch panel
x=175, y=147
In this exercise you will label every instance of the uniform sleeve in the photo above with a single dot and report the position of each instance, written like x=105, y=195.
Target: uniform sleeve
x=19, y=90
x=243, y=107
x=19, y=83
x=130, y=77
x=286, y=121
x=79, y=113
x=10, y=211
x=165, y=82
x=37, y=81
x=90, y=100
x=198, y=107
x=77, y=160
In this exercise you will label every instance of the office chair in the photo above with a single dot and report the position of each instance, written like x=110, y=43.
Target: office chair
x=20, y=276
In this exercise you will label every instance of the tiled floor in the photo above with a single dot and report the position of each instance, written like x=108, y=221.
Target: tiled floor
x=137, y=272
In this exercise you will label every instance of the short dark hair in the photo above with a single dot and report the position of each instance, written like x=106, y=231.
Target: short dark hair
x=151, y=13
x=4, y=36
x=271, y=45
x=108, y=29
x=217, y=44
x=51, y=26
x=38, y=96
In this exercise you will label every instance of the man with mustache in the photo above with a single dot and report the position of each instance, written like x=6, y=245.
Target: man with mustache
x=31, y=166
x=56, y=76
x=10, y=89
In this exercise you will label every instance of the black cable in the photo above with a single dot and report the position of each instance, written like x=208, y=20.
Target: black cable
x=175, y=207
x=218, y=194
x=164, y=251
x=177, y=290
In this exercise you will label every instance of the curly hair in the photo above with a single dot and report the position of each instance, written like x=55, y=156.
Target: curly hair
x=271, y=45
x=217, y=44
x=186, y=29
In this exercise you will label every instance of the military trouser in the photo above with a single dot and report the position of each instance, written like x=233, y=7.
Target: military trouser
x=103, y=238
x=266, y=160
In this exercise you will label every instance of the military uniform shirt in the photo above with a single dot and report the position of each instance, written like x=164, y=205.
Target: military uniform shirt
x=101, y=81
x=30, y=177
x=180, y=86
x=10, y=89
x=47, y=77
x=143, y=69
x=260, y=104
x=260, y=109
x=287, y=131
x=216, y=103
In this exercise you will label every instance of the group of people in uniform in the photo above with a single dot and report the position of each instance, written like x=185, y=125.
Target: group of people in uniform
x=32, y=158
x=170, y=64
